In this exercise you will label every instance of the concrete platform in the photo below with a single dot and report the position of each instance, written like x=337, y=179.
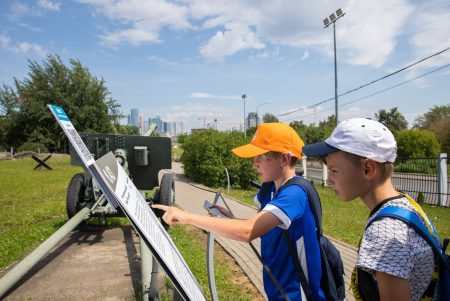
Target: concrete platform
x=99, y=264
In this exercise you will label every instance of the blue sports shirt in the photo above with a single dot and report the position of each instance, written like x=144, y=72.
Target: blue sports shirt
x=291, y=206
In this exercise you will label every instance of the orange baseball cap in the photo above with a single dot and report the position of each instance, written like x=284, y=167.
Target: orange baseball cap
x=272, y=137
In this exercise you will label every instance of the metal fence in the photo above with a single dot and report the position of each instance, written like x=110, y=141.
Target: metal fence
x=418, y=177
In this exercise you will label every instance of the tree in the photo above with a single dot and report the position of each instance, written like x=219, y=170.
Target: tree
x=270, y=118
x=83, y=97
x=393, y=119
x=251, y=131
x=435, y=114
x=126, y=129
x=326, y=127
x=437, y=120
x=207, y=152
x=417, y=143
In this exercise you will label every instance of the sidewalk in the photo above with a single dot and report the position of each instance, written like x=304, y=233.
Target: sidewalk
x=191, y=196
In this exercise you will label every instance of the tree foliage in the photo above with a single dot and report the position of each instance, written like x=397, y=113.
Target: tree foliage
x=82, y=95
x=207, y=152
x=270, y=118
x=435, y=114
x=437, y=120
x=126, y=129
x=393, y=119
x=417, y=143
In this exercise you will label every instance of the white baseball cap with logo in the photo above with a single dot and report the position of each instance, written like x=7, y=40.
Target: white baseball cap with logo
x=360, y=136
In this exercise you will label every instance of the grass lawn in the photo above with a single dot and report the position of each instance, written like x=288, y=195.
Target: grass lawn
x=32, y=204
x=345, y=221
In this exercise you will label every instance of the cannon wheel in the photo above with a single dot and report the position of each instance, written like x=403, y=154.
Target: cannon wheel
x=164, y=195
x=75, y=195
x=167, y=190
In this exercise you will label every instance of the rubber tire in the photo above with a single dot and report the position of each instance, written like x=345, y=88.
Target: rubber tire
x=75, y=194
x=167, y=190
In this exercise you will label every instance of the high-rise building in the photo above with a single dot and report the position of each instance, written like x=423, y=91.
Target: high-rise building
x=180, y=129
x=174, y=128
x=158, y=122
x=134, y=117
x=167, y=127
x=250, y=121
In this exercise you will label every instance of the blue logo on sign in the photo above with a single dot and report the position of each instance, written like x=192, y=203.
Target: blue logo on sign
x=59, y=112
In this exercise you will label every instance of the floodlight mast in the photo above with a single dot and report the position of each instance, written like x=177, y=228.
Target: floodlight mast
x=327, y=22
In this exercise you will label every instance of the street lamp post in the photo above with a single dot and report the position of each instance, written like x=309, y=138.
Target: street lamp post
x=261, y=104
x=327, y=22
x=243, y=98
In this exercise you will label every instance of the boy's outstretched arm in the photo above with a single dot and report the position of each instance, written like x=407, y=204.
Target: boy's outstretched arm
x=242, y=230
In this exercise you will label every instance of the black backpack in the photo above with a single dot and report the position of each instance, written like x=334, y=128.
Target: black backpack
x=332, y=281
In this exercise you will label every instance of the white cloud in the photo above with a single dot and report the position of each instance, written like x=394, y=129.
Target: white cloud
x=198, y=114
x=21, y=47
x=305, y=55
x=49, y=5
x=138, y=21
x=162, y=61
x=203, y=95
x=134, y=36
x=236, y=37
x=4, y=40
x=366, y=35
x=432, y=32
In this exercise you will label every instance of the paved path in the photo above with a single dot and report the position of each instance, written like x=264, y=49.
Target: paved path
x=191, y=196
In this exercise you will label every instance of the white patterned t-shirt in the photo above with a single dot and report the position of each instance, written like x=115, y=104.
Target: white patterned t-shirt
x=390, y=246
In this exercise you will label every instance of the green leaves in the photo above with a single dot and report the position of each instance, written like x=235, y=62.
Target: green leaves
x=206, y=153
x=82, y=95
x=417, y=143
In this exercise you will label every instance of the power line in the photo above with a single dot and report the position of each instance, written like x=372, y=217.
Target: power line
x=384, y=90
x=370, y=83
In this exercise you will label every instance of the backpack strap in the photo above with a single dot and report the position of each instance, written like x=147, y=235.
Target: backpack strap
x=419, y=209
x=413, y=220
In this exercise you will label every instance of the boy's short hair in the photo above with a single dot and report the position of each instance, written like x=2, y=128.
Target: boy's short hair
x=359, y=136
x=292, y=163
x=272, y=137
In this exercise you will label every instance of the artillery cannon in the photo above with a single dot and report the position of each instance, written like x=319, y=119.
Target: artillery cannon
x=142, y=157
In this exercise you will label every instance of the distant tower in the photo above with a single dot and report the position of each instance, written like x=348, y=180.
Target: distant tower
x=180, y=128
x=158, y=122
x=134, y=117
x=141, y=124
x=251, y=120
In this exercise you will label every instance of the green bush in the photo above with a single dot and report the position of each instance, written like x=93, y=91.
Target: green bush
x=206, y=153
x=417, y=143
x=32, y=146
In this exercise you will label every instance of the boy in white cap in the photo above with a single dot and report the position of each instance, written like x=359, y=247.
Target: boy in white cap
x=394, y=262
x=275, y=148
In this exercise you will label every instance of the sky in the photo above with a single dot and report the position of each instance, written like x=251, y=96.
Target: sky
x=191, y=61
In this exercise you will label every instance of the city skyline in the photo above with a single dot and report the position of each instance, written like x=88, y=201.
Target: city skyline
x=191, y=61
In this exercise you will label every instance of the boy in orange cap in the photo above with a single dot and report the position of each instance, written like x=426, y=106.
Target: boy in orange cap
x=275, y=148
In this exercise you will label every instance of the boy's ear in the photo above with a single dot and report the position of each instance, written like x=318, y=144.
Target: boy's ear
x=286, y=158
x=369, y=169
